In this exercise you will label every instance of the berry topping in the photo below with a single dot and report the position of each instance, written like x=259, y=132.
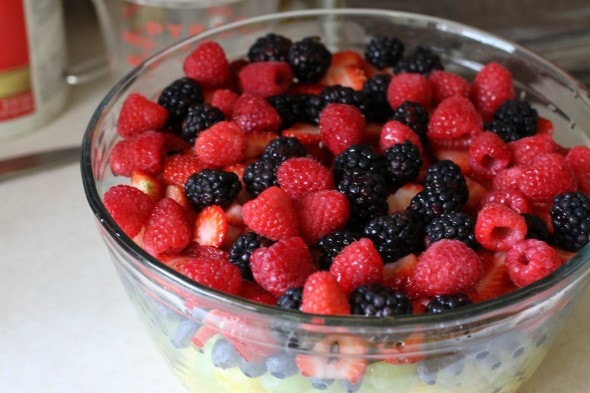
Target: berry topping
x=302, y=175
x=138, y=115
x=359, y=263
x=309, y=59
x=394, y=132
x=320, y=213
x=499, y=227
x=530, y=260
x=221, y=145
x=454, y=118
x=167, y=229
x=570, y=218
x=376, y=300
x=341, y=126
x=179, y=167
x=212, y=187
x=215, y=273
x=208, y=65
x=143, y=152
x=488, y=155
x=446, y=84
x=548, y=175
x=177, y=98
x=129, y=207
x=384, y=51
x=408, y=86
x=490, y=88
x=271, y=47
x=254, y=113
x=578, y=159
x=266, y=78
x=322, y=294
x=442, y=303
x=198, y=118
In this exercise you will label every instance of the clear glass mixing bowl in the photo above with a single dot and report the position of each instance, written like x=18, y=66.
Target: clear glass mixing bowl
x=490, y=347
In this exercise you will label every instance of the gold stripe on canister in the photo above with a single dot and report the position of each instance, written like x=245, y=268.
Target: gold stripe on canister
x=15, y=81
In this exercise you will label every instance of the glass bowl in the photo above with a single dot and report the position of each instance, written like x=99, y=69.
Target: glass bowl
x=493, y=346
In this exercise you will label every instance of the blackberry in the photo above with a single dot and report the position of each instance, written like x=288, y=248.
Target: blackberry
x=199, y=117
x=570, y=217
x=520, y=115
x=309, y=59
x=415, y=116
x=421, y=61
x=442, y=303
x=506, y=132
x=361, y=156
x=366, y=192
x=283, y=148
x=375, y=90
x=291, y=299
x=403, y=163
x=331, y=245
x=313, y=105
x=242, y=248
x=260, y=175
x=271, y=47
x=343, y=95
x=452, y=225
x=384, y=51
x=376, y=300
x=429, y=204
x=212, y=187
x=177, y=98
x=291, y=108
x=536, y=227
x=395, y=235
x=446, y=177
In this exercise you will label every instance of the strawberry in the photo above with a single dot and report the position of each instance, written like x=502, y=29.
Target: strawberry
x=179, y=167
x=196, y=250
x=233, y=213
x=476, y=192
x=138, y=114
x=346, y=69
x=210, y=226
x=129, y=207
x=252, y=291
x=359, y=263
x=283, y=265
x=547, y=176
x=459, y=157
x=531, y=260
x=322, y=294
x=446, y=267
x=254, y=113
x=266, y=78
x=495, y=281
x=151, y=185
x=320, y=213
x=177, y=193
x=544, y=126
x=334, y=356
x=398, y=275
x=394, y=132
x=144, y=152
x=578, y=158
x=215, y=273
x=167, y=229
x=308, y=134
x=256, y=142
x=409, y=86
x=271, y=214
x=491, y=87
x=341, y=126
x=498, y=227
x=224, y=99
x=203, y=335
x=446, y=84
x=301, y=175
x=454, y=118
x=221, y=145
x=402, y=197
x=208, y=65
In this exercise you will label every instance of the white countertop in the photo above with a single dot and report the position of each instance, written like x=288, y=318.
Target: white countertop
x=66, y=325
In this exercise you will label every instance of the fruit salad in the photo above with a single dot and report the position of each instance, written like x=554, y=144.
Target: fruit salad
x=371, y=184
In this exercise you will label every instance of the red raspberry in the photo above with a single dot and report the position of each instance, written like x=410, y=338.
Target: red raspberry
x=252, y=291
x=498, y=227
x=446, y=84
x=548, y=175
x=507, y=179
x=578, y=159
x=525, y=150
x=129, y=207
x=253, y=113
x=266, y=78
x=285, y=264
x=409, y=86
x=196, y=250
x=222, y=144
x=271, y=214
x=358, y=263
x=341, y=126
x=320, y=213
x=224, y=99
x=216, y=273
x=138, y=114
x=454, y=118
x=488, y=155
x=394, y=132
x=530, y=260
x=302, y=175
x=208, y=65
x=514, y=199
x=323, y=295
x=447, y=267
x=179, y=167
x=490, y=88
x=144, y=152
x=168, y=229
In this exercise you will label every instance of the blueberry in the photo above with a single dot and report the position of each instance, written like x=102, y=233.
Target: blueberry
x=181, y=338
x=320, y=383
x=252, y=369
x=223, y=354
x=350, y=387
x=281, y=365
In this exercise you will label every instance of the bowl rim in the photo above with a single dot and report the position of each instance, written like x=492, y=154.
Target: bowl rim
x=498, y=308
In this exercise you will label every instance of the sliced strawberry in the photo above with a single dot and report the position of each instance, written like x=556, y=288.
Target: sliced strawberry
x=398, y=275
x=256, y=142
x=254, y=292
x=177, y=193
x=477, y=192
x=210, y=226
x=459, y=157
x=347, y=69
x=233, y=213
x=407, y=351
x=308, y=134
x=306, y=88
x=203, y=335
x=544, y=126
x=400, y=199
x=337, y=357
x=495, y=281
x=151, y=185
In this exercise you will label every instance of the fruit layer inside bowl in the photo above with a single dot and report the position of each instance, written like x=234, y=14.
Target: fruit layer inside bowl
x=373, y=181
